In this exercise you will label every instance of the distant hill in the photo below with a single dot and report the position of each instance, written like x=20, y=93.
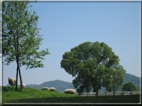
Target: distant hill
x=131, y=78
x=62, y=85
x=58, y=84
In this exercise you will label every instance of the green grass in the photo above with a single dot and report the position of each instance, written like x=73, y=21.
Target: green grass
x=30, y=95
x=0, y=95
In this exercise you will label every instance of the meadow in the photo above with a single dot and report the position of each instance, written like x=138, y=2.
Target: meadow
x=30, y=95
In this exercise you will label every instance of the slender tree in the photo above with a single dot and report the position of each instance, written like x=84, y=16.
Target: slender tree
x=91, y=64
x=21, y=38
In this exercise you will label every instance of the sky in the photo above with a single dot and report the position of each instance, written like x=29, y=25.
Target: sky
x=65, y=25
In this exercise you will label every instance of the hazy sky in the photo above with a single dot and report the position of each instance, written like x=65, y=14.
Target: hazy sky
x=65, y=25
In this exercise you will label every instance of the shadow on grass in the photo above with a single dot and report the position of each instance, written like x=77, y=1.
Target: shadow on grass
x=10, y=88
x=79, y=99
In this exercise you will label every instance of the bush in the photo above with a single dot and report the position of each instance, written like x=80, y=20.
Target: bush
x=129, y=87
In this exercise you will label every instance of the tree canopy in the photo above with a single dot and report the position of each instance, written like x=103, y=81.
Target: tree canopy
x=93, y=65
x=129, y=87
x=21, y=37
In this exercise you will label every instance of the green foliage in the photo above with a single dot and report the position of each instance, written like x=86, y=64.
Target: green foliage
x=93, y=65
x=21, y=38
x=117, y=78
x=30, y=95
x=129, y=87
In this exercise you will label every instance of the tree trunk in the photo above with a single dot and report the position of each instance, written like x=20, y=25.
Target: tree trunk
x=113, y=89
x=16, y=78
x=113, y=93
x=95, y=91
x=20, y=78
x=17, y=72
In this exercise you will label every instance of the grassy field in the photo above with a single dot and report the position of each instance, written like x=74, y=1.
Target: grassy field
x=30, y=95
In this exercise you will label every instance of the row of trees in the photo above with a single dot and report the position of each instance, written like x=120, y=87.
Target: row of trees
x=93, y=64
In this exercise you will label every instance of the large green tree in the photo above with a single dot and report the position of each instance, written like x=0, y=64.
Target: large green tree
x=21, y=38
x=93, y=66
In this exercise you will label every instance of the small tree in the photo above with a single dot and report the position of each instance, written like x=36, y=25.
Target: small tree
x=21, y=38
x=129, y=87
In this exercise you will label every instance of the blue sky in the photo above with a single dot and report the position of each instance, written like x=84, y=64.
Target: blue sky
x=65, y=25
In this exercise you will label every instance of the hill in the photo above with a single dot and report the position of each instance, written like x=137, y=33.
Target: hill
x=131, y=78
x=62, y=85
x=58, y=84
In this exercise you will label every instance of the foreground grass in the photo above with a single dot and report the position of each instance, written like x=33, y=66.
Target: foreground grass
x=30, y=95
x=0, y=95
